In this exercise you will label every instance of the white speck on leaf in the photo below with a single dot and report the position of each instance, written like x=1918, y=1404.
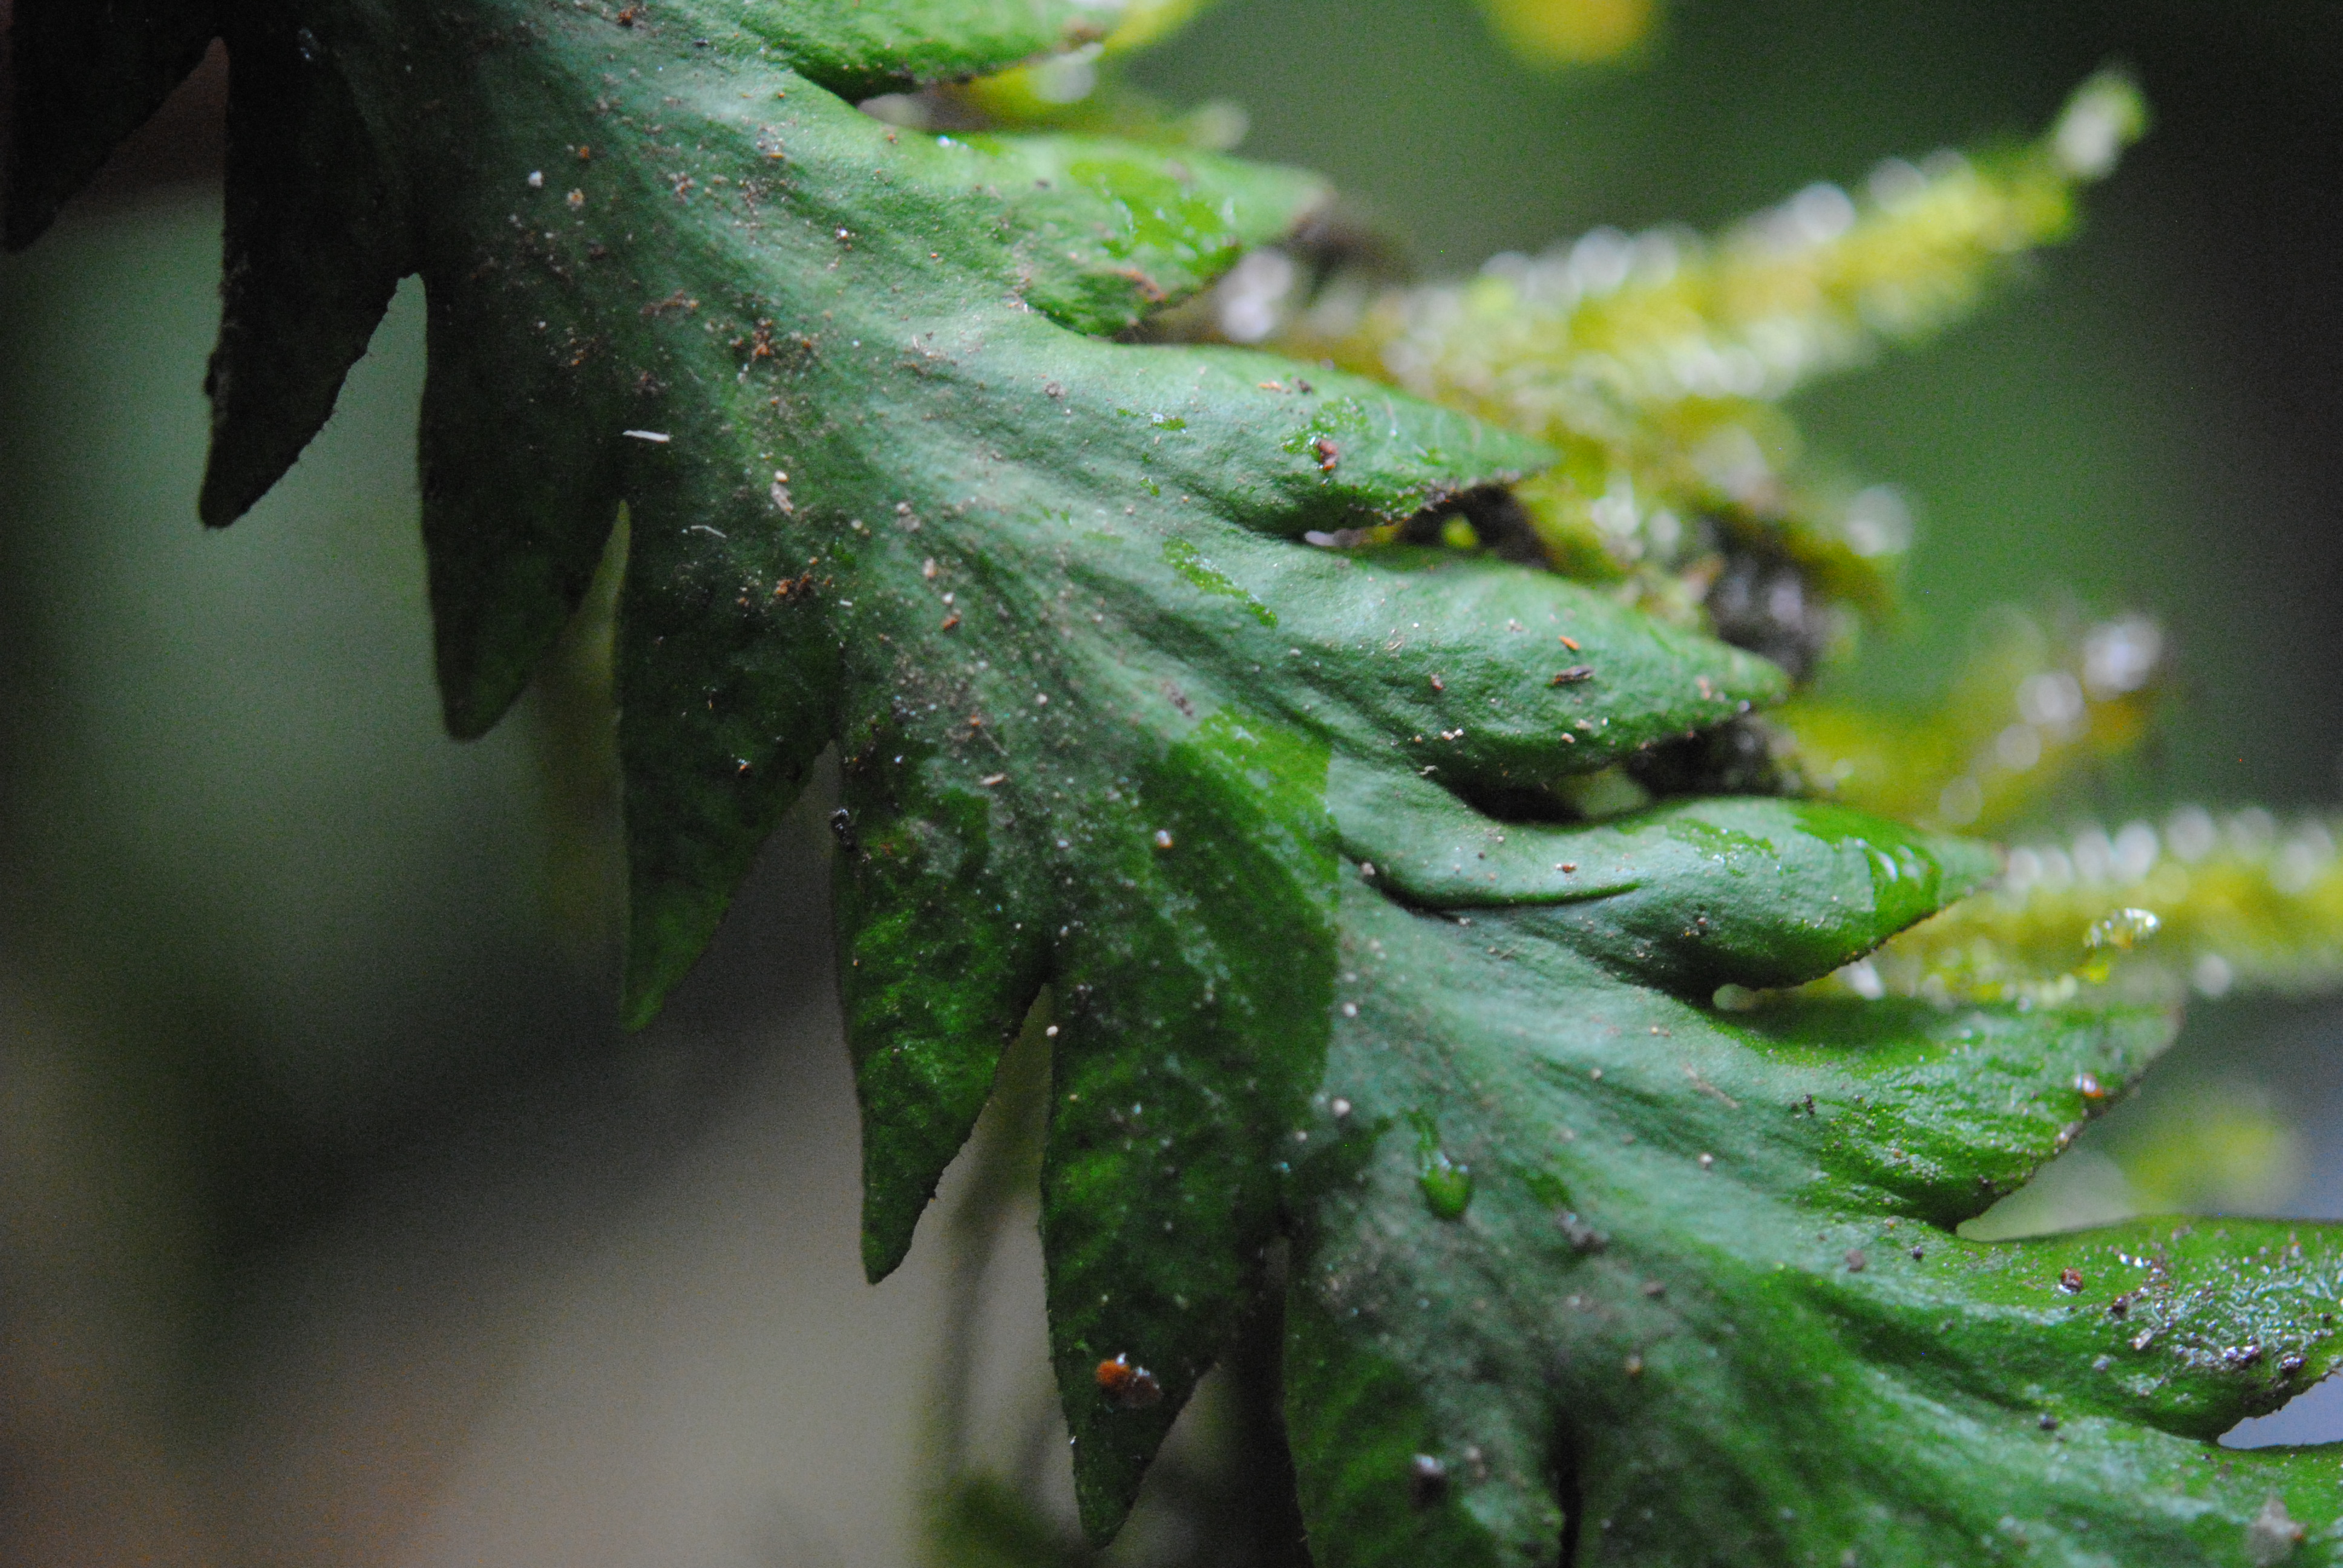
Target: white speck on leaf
x=2272, y=1534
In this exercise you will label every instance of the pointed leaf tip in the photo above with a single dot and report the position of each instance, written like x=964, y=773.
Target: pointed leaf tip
x=934, y=979
x=79, y=78
x=317, y=239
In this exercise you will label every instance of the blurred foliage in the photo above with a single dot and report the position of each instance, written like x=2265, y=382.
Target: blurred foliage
x=2032, y=707
x=2206, y=905
x=2225, y=1148
x=1550, y=32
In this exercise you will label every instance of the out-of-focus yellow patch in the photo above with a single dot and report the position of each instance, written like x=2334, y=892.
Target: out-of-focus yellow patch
x=2226, y=1148
x=1570, y=31
x=1146, y=22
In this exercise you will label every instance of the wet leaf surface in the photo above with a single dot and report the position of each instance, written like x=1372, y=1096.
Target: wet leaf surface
x=1579, y=1256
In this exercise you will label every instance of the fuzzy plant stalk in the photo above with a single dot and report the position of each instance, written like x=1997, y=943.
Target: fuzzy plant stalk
x=1365, y=759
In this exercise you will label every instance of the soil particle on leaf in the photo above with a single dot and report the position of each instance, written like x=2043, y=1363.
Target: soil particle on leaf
x=1126, y=1386
x=1581, y=1235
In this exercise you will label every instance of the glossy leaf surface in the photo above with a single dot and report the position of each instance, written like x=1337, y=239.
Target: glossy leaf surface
x=1580, y=1257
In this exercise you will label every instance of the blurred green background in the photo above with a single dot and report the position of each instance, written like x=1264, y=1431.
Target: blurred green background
x=297, y=1022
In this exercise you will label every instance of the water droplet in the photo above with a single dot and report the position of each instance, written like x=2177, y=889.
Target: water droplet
x=2126, y=928
x=1447, y=1186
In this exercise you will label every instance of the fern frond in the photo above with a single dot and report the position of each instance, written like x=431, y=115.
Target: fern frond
x=2210, y=904
x=1655, y=364
x=2033, y=707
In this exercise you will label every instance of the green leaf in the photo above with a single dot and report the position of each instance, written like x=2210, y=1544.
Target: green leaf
x=1704, y=1301
x=1285, y=832
x=858, y=47
x=892, y=490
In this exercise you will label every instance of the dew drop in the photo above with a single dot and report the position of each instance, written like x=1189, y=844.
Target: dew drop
x=2126, y=928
